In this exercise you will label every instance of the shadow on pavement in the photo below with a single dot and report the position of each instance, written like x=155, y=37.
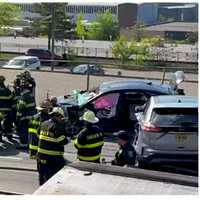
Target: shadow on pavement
x=8, y=147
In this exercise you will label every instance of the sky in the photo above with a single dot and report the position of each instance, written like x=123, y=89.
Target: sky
x=101, y=1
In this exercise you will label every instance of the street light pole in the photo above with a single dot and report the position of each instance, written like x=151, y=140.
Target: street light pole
x=52, y=34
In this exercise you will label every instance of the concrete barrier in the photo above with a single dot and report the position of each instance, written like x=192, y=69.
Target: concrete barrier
x=90, y=178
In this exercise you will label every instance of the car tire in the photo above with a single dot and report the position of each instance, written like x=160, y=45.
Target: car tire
x=142, y=165
x=37, y=68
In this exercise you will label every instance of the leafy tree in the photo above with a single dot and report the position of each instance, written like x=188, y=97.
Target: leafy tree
x=80, y=29
x=104, y=27
x=8, y=14
x=62, y=21
x=122, y=50
x=125, y=50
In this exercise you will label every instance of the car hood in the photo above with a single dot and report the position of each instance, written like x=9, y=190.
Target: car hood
x=13, y=66
x=76, y=98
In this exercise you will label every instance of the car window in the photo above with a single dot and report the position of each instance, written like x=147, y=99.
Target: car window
x=174, y=116
x=108, y=100
x=18, y=62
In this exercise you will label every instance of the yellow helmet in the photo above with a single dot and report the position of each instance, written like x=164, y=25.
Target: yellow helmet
x=89, y=116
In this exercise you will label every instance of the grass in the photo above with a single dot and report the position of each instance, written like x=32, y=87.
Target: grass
x=7, y=56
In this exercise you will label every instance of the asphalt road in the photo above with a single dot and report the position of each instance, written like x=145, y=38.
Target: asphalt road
x=19, y=182
x=56, y=84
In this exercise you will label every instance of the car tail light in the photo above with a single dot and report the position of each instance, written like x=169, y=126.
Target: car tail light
x=148, y=127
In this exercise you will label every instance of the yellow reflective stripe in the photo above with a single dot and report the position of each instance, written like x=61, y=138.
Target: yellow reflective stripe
x=97, y=144
x=26, y=117
x=19, y=114
x=42, y=137
x=32, y=130
x=4, y=97
x=21, y=102
x=35, y=122
x=48, y=152
x=33, y=147
x=4, y=109
x=30, y=105
x=89, y=158
x=62, y=137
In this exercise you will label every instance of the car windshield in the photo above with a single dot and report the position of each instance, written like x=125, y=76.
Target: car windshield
x=17, y=62
x=175, y=116
x=82, y=98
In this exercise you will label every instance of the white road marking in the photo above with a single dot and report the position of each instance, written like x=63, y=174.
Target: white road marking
x=11, y=157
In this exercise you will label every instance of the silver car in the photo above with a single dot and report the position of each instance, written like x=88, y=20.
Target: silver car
x=167, y=131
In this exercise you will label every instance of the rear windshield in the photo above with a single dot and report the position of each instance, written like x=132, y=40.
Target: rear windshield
x=175, y=116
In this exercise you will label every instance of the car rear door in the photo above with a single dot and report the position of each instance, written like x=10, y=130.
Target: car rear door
x=173, y=129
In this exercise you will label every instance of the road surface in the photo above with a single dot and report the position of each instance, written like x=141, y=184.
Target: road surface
x=185, y=53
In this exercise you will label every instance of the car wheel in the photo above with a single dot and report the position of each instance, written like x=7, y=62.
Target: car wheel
x=142, y=165
x=37, y=68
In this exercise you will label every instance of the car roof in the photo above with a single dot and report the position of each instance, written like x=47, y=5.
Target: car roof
x=43, y=49
x=25, y=57
x=134, y=84
x=177, y=101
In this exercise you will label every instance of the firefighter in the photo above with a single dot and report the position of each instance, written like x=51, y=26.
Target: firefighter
x=6, y=106
x=34, y=126
x=54, y=101
x=90, y=140
x=26, y=109
x=126, y=154
x=16, y=93
x=30, y=81
x=52, y=138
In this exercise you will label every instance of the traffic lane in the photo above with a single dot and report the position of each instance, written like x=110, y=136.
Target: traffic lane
x=56, y=84
x=17, y=181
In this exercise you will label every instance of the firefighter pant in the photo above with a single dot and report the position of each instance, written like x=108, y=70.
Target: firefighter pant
x=23, y=131
x=48, y=169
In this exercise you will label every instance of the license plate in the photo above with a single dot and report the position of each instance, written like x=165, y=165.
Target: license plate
x=181, y=139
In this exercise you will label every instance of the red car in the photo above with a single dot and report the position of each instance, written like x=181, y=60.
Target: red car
x=43, y=55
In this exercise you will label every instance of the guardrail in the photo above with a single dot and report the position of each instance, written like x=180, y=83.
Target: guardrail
x=156, y=53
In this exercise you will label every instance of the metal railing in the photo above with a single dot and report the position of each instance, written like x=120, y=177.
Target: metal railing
x=156, y=53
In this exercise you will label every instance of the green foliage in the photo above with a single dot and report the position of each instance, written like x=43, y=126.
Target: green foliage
x=138, y=52
x=122, y=50
x=62, y=21
x=80, y=29
x=104, y=27
x=8, y=14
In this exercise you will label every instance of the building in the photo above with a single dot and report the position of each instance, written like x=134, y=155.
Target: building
x=155, y=13
x=125, y=13
x=174, y=30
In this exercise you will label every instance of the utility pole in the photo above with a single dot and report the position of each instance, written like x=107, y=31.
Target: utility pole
x=52, y=34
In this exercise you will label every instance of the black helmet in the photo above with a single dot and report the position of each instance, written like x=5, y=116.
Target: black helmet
x=2, y=78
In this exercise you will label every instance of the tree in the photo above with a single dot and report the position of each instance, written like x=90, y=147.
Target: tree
x=138, y=52
x=80, y=29
x=122, y=50
x=43, y=25
x=9, y=14
x=104, y=27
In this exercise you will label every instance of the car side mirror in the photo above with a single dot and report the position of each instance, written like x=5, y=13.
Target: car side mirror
x=139, y=116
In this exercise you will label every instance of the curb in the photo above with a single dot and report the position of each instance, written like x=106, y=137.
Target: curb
x=137, y=173
x=19, y=169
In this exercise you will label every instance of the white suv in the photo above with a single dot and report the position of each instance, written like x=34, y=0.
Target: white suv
x=167, y=131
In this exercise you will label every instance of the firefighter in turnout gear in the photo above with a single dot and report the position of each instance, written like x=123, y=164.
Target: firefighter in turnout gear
x=126, y=154
x=52, y=138
x=26, y=109
x=29, y=81
x=6, y=106
x=34, y=126
x=90, y=140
